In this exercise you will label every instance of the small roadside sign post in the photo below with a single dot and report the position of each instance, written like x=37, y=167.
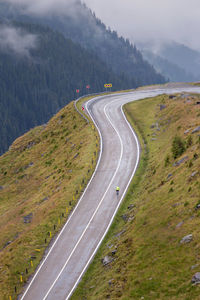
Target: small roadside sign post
x=77, y=92
x=88, y=88
x=108, y=85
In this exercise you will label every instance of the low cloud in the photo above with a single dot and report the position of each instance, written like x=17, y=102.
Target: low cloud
x=17, y=40
x=139, y=20
x=47, y=7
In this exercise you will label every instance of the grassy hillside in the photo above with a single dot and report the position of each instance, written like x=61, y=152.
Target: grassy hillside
x=149, y=261
x=41, y=178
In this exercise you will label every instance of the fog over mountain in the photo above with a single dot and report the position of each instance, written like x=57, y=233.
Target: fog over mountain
x=143, y=21
x=51, y=49
x=75, y=21
x=166, y=32
x=16, y=40
x=47, y=7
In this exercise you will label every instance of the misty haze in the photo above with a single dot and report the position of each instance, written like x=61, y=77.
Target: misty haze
x=99, y=149
x=16, y=40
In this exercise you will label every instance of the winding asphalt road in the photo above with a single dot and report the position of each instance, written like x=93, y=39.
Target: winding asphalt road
x=75, y=246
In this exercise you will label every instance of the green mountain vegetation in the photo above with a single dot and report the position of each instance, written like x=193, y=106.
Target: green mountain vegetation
x=72, y=49
x=41, y=178
x=35, y=86
x=78, y=23
x=153, y=245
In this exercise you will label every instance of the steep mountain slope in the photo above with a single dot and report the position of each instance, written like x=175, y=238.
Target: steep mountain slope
x=78, y=23
x=169, y=69
x=40, y=69
x=176, y=61
x=41, y=178
x=152, y=249
x=183, y=56
x=37, y=82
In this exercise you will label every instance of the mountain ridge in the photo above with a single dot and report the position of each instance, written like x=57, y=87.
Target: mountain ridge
x=36, y=85
x=85, y=29
x=99, y=57
x=174, y=60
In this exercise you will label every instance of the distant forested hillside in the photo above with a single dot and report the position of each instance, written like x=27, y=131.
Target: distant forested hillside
x=35, y=86
x=45, y=57
x=168, y=69
x=78, y=23
x=175, y=61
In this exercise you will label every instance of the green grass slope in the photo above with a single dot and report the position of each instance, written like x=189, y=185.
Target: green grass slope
x=41, y=178
x=147, y=259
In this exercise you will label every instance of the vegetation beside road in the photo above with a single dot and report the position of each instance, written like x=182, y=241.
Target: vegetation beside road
x=41, y=178
x=43, y=169
x=147, y=259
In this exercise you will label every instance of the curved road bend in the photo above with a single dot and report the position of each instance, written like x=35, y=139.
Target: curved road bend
x=75, y=246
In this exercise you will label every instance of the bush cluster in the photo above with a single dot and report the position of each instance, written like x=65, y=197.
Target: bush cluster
x=178, y=147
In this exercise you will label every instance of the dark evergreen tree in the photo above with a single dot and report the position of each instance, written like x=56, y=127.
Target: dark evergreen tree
x=73, y=53
x=87, y=30
x=35, y=87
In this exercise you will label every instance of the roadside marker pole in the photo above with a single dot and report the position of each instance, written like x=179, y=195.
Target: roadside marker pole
x=58, y=221
x=10, y=298
x=31, y=263
x=21, y=278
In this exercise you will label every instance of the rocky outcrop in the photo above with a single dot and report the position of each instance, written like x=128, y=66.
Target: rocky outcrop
x=186, y=239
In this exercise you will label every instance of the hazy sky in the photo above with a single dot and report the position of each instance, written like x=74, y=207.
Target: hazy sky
x=152, y=19
x=140, y=20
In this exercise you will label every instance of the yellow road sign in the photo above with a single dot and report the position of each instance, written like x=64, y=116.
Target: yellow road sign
x=108, y=85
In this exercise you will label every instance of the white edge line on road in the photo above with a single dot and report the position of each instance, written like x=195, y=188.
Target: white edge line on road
x=96, y=210
x=68, y=219
x=82, y=197
x=91, y=257
x=138, y=152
